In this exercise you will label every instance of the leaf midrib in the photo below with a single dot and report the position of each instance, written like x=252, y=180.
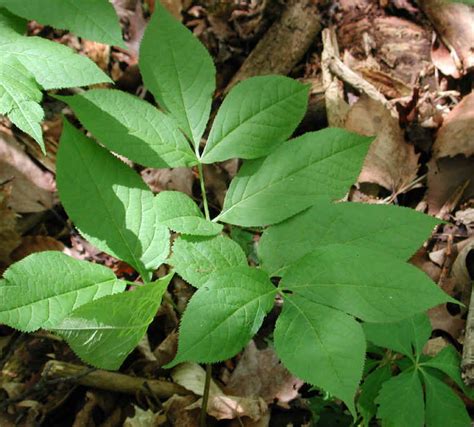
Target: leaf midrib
x=235, y=128
x=56, y=295
x=278, y=181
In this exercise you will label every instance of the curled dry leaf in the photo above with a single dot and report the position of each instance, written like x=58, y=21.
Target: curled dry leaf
x=260, y=373
x=453, y=22
x=456, y=135
x=32, y=188
x=391, y=162
x=451, y=168
x=220, y=405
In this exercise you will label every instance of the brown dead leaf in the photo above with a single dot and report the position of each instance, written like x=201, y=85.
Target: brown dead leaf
x=434, y=346
x=144, y=418
x=260, y=373
x=98, y=52
x=460, y=269
x=446, y=177
x=456, y=134
x=33, y=244
x=32, y=189
x=443, y=60
x=454, y=23
x=175, y=7
x=466, y=217
x=178, y=179
x=391, y=162
x=264, y=421
x=178, y=415
x=441, y=319
x=167, y=349
x=9, y=236
x=220, y=405
x=424, y=262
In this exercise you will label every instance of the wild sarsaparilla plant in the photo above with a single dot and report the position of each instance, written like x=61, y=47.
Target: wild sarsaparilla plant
x=339, y=264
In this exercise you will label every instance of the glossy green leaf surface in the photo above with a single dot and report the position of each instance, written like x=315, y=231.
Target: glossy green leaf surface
x=223, y=315
x=313, y=167
x=195, y=258
x=43, y=288
x=179, y=212
x=104, y=332
x=132, y=127
x=367, y=284
x=91, y=19
x=30, y=64
x=178, y=71
x=401, y=401
x=323, y=346
x=407, y=336
x=392, y=230
x=443, y=406
x=256, y=116
x=109, y=203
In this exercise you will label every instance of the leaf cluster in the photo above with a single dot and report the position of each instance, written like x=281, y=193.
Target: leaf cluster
x=417, y=396
x=336, y=264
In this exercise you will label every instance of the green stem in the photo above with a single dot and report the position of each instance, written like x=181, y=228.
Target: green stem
x=203, y=191
x=205, y=396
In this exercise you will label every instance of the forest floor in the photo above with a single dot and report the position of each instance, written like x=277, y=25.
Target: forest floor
x=388, y=68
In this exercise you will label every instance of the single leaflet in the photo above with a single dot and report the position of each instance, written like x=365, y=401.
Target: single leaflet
x=329, y=283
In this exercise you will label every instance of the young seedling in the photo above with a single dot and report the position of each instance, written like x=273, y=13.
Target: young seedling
x=337, y=264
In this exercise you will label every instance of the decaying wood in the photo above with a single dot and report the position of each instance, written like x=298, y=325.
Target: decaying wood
x=111, y=381
x=284, y=44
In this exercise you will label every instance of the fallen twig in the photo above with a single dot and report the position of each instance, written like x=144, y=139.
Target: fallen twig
x=111, y=381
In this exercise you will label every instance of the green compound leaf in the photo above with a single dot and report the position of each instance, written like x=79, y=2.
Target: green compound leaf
x=104, y=332
x=195, y=258
x=393, y=230
x=401, y=401
x=408, y=336
x=134, y=128
x=109, y=203
x=447, y=361
x=443, y=406
x=30, y=64
x=370, y=285
x=91, y=19
x=179, y=213
x=223, y=315
x=369, y=391
x=257, y=115
x=301, y=172
x=178, y=71
x=322, y=346
x=42, y=289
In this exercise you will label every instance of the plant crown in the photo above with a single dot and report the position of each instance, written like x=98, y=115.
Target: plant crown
x=342, y=266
